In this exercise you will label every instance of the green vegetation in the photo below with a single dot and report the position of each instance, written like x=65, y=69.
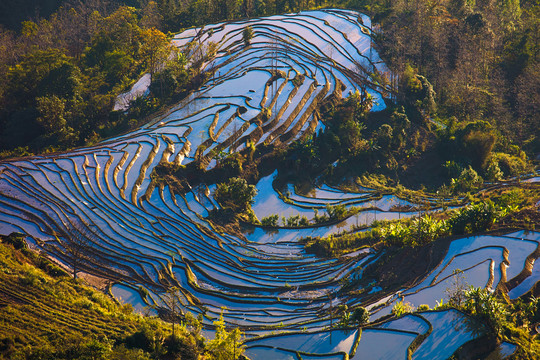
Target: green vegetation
x=358, y=317
x=507, y=321
x=247, y=35
x=401, y=308
x=419, y=231
x=227, y=344
x=46, y=315
x=463, y=110
x=60, y=77
x=58, y=85
x=235, y=194
x=332, y=214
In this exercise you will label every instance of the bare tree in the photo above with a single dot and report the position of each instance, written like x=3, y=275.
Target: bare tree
x=172, y=302
x=76, y=245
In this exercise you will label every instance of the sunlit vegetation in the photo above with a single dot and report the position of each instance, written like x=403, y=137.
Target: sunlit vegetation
x=456, y=125
x=474, y=218
x=60, y=77
x=48, y=316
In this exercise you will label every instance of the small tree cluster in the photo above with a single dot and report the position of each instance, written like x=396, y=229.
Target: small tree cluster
x=235, y=194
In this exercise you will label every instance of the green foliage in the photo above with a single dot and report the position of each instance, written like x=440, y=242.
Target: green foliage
x=155, y=49
x=419, y=231
x=511, y=199
x=226, y=344
x=336, y=212
x=468, y=180
x=270, y=220
x=235, y=194
x=493, y=172
x=59, y=87
x=52, y=111
x=247, y=35
x=476, y=217
x=400, y=308
x=360, y=316
x=52, y=318
x=172, y=79
x=486, y=306
x=511, y=165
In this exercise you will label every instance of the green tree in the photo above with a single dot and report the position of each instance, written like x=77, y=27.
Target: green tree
x=52, y=111
x=226, y=345
x=270, y=220
x=155, y=49
x=360, y=316
x=247, y=35
x=467, y=180
x=486, y=306
x=235, y=194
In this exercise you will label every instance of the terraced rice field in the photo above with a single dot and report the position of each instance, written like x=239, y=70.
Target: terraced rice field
x=102, y=200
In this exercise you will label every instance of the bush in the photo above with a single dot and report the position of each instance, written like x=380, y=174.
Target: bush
x=270, y=220
x=182, y=347
x=510, y=165
x=247, y=35
x=513, y=198
x=360, y=316
x=15, y=239
x=493, y=171
x=476, y=217
x=401, y=308
x=467, y=180
x=452, y=169
x=485, y=306
x=235, y=194
x=293, y=221
x=146, y=339
x=336, y=212
x=419, y=231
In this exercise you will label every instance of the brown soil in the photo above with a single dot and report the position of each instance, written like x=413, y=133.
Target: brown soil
x=96, y=282
x=525, y=219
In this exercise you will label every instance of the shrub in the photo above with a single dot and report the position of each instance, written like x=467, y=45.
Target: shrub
x=452, y=169
x=226, y=344
x=477, y=146
x=181, y=346
x=146, y=339
x=360, y=316
x=485, y=305
x=293, y=220
x=467, y=180
x=270, y=220
x=401, y=308
x=510, y=165
x=493, y=171
x=476, y=217
x=426, y=229
x=235, y=194
x=336, y=212
x=17, y=240
x=513, y=198
x=318, y=219
x=247, y=35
